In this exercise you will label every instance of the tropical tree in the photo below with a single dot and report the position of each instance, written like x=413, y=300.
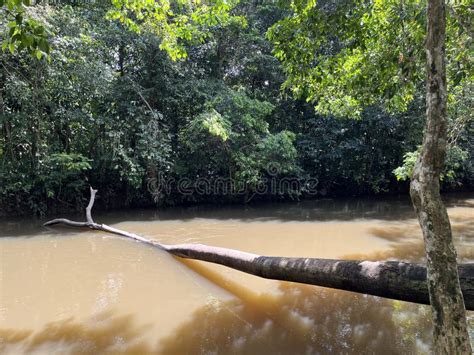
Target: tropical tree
x=346, y=55
x=98, y=101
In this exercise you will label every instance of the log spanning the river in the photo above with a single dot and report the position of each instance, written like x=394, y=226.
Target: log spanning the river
x=389, y=279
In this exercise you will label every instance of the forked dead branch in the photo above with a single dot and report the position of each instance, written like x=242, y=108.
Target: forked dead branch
x=390, y=279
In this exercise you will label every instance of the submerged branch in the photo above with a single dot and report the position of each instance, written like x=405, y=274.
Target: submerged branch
x=390, y=279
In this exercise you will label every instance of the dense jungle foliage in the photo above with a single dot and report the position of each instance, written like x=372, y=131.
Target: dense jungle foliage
x=218, y=114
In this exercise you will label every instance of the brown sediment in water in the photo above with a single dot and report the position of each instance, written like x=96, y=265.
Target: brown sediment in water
x=300, y=320
x=306, y=320
x=104, y=333
x=83, y=292
x=406, y=242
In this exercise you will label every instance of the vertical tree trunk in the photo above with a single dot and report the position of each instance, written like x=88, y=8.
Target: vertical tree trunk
x=35, y=117
x=6, y=126
x=449, y=315
x=121, y=59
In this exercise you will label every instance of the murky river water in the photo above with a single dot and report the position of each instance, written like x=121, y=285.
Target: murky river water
x=70, y=291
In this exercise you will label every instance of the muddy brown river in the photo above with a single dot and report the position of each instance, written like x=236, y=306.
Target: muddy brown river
x=67, y=291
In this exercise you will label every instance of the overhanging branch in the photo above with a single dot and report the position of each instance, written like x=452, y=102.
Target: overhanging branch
x=390, y=279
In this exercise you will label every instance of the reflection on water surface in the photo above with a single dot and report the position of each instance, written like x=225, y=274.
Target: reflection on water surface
x=68, y=291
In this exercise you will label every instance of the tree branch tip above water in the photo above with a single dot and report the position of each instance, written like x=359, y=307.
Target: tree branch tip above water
x=390, y=279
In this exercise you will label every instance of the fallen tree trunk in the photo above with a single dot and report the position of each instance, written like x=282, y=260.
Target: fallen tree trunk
x=389, y=279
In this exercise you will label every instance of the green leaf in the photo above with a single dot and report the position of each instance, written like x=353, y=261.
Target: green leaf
x=43, y=45
x=27, y=40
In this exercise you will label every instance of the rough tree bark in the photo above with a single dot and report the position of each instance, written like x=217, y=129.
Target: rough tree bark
x=390, y=279
x=448, y=309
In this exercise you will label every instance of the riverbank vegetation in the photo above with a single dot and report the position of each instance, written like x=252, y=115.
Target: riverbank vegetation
x=108, y=106
x=168, y=102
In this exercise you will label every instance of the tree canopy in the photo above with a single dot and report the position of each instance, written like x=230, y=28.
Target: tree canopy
x=345, y=55
x=130, y=94
x=181, y=101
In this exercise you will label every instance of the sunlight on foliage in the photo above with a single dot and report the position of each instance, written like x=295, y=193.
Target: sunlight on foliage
x=175, y=21
x=345, y=55
x=24, y=31
x=405, y=171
